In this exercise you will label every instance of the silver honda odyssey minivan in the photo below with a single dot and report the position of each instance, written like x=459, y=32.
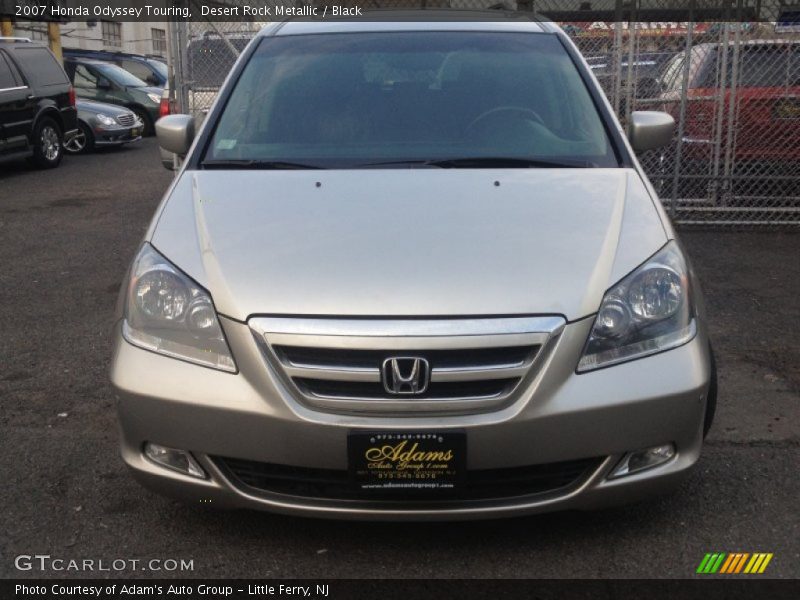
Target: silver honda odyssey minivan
x=412, y=270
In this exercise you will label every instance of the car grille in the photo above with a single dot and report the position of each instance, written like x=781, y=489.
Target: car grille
x=473, y=365
x=332, y=484
x=126, y=120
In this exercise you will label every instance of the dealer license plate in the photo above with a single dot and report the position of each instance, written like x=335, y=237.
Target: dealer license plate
x=788, y=109
x=419, y=461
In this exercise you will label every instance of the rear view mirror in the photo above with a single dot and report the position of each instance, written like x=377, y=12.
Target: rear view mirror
x=175, y=133
x=650, y=129
x=103, y=84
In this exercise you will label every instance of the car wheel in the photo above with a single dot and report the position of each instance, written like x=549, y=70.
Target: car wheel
x=48, y=144
x=81, y=142
x=147, y=129
x=711, y=399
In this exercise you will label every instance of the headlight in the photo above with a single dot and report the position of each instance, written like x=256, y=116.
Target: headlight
x=649, y=311
x=166, y=312
x=105, y=119
x=155, y=98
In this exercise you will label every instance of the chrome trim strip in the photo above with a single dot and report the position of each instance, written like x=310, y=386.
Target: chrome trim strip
x=344, y=373
x=406, y=327
x=480, y=373
x=375, y=342
x=429, y=406
x=332, y=373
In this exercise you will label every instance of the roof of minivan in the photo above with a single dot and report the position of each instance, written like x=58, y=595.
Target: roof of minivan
x=429, y=20
x=86, y=59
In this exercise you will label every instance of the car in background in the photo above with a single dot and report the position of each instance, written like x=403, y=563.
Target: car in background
x=152, y=70
x=646, y=69
x=37, y=103
x=103, y=125
x=766, y=101
x=103, y=82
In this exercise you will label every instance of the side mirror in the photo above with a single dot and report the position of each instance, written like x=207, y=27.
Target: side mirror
x=650, y=129
x=175, y=133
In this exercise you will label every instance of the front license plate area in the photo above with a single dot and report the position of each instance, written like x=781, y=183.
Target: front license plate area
x=419, y=463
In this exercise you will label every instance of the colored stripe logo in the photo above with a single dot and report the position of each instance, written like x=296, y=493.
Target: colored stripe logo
x=734, y=562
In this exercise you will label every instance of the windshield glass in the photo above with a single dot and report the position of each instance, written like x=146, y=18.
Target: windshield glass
x=119, y=75
x=350, y=100
x=159, y=66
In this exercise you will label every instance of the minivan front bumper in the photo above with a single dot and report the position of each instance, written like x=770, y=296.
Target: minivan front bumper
x=560, y=416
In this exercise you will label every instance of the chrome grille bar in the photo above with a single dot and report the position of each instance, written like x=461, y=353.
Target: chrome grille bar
x=332, y=373
x=126, y=119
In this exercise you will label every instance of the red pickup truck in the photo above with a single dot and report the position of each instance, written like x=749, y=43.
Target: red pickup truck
x=766, y=113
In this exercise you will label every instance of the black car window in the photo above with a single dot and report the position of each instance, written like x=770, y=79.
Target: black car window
x=118, y=75
x=40, y=66
x=84, y=78
x=160, y=67
x=770, y=66
x=140, y=69
x=759, y=65
x=671, y=79
x=6, y=76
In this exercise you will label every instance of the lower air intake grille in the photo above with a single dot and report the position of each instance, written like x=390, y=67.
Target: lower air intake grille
x=336, y=485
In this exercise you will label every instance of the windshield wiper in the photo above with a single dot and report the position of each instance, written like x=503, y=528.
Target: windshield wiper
x=485, y=162
x=235, y=163
x=399, y=163
x=507, y=162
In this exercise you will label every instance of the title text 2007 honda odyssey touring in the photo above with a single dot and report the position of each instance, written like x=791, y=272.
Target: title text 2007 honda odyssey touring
x=412, y=270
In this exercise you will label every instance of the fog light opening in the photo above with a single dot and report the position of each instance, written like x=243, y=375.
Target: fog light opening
x=177, y=460
x=641, y=460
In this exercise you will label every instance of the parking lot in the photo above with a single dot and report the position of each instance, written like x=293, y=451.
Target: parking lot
x=66, y=237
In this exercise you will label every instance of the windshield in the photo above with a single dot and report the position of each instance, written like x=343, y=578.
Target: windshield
x=159, y=66
x=357, y=100
x=119, y=75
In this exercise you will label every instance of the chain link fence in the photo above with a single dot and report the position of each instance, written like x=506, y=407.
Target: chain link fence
x=732, y=85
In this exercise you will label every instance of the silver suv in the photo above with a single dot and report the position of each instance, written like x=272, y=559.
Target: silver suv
x=412, y=270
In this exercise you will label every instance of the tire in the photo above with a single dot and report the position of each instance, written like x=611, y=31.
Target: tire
x=83, y=141
x=711, y=399
x=48, y=144
x=144, y=117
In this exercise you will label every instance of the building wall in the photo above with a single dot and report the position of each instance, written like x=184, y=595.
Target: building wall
x=137, y=38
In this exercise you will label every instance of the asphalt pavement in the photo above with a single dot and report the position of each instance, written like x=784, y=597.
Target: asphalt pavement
x=66, y=238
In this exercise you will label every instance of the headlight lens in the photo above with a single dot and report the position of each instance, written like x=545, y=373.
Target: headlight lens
x=649, y=311
x=155, y=98
x=105, y=119
x=168, y=313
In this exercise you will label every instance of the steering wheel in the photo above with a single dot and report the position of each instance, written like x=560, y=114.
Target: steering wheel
x=527, y=112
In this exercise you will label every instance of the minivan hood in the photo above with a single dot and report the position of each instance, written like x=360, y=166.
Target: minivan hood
x=408, y=242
